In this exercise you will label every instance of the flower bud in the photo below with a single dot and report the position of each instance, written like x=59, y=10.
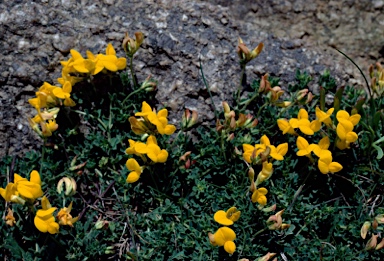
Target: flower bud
x=266, y=257
x=364, y=229
x=372, y=242
x=69, y=184
x=101, y=224
x=148, y=85
x=9, y=218
x=375, y=224
x=380, y=218
x=269, y=209
x=380, y=245
x=131, y=45
x=189, y=119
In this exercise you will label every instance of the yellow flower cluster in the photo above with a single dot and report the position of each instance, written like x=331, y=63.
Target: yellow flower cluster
x=92, y=65
x=258, y=154
x=45, y=220
x=23, y=191
x=151, y=122
x=225, y=236
x=49, y=97
x=344, y=131
x=150, y=149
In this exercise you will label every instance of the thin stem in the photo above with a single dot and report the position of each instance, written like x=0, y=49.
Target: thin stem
x=42, y=156
x=241, y=84
x=132, y=93
x=132, y=72
x=262, y=107
x=93, y=117
x=209, y=90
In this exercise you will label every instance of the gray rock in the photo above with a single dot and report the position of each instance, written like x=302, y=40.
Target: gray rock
x=36, y=36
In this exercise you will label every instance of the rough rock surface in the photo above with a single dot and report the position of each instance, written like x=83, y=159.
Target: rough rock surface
x=36, y=35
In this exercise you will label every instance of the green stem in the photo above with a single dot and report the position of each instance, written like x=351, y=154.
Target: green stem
x=241, y=84
x=209, y=91
x=261, y=108
x=42, y=156
x=132, y=72
x=93, y=117
x=132, y=93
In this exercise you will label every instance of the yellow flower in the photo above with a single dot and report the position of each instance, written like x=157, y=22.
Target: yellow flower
x=78, y=63
x=65, y=93
x=285, y=127
x=251, y=152
x=64, y=216
x=324, y=117
x=302, y=122
x=135, y=169
x=265, y=173
x=304, y=148
x=44, y=219
x=224, y=236
x=108, y=61
x=136, y=147
x=279, y=152
x=321, y=149
x=22, y=189
x=343, y=115
x=259, y=196
x=326, y=165
x=345, y=133
x=227, y=218
x=159, y=119
x=154, y=152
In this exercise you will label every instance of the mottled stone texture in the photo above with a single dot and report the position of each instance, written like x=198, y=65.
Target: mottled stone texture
x=36, y=35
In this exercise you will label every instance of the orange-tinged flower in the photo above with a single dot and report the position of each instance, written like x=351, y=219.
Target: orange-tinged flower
x=64, y=216
x=245, y=54
x=9, y=218
x=227, y=218
x=130, y=45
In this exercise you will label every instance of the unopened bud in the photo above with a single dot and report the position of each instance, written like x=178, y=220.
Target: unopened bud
x=375, y=224
x=380, y=218
x=269, y=209
x=372, y=243
x=189, y=119
x=149, y=85
x=266, y=257
x=380, y=245
x=364, y=229
x=69, y=184
x=101, y=224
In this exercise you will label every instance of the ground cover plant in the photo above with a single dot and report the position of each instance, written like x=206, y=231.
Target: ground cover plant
x=283, y=173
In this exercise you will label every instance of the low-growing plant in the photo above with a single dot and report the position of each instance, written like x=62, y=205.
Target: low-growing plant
x=284, y=174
